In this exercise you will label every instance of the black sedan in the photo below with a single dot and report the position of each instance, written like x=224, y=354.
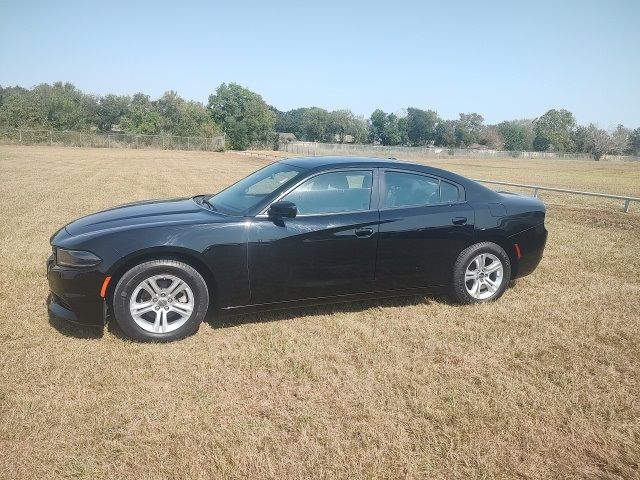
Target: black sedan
x=302, y=230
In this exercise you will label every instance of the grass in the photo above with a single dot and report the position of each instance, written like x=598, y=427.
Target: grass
x=542, y=384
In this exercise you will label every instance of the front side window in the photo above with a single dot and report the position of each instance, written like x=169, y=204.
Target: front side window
x=408, y=189
x=250, y=191
x=333, y=192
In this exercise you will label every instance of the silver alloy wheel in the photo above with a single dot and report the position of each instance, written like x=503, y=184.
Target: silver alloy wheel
x=483, y=276
x=161, y=303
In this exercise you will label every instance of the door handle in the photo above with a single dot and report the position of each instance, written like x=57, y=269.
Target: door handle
x=364, y=232
x=459, y=220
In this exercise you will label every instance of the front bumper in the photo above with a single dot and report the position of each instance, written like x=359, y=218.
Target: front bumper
x=75, y=294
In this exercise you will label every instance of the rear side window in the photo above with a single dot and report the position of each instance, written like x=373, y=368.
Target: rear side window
x=449, y=193
x=408, y=189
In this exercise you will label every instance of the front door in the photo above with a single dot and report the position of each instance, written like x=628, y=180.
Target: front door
x=328, y=249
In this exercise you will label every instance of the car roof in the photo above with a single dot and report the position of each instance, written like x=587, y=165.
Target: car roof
x=319, y=163
x=329, y=161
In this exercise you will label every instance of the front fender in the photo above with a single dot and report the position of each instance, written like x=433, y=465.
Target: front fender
x=218, y=251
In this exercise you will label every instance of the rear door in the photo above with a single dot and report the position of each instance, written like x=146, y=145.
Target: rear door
x=424, y=225
x=328, y=249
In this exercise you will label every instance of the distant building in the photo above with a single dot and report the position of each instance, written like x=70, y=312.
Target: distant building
x=286, y=138
x=347, y=138
x=477, y=146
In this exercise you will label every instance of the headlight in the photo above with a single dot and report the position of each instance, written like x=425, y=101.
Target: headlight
x=76, y=258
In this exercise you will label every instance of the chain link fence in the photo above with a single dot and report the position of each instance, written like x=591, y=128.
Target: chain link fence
x=110, y=140
x=316, y=148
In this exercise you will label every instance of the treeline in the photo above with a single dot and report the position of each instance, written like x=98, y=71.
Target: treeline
x=555, y=131
x=249, y=121
x=62, y=106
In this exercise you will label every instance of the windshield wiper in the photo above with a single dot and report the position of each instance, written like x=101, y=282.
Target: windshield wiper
x=205, y=201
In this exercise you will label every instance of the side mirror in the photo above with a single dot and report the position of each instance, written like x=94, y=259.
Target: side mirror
x=283, y=210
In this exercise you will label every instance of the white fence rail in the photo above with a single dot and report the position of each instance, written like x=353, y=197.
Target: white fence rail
x=109, y=140
x=249, y=153
x=316, y=148
x=537, y=188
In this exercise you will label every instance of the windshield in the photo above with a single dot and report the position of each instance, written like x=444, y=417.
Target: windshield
x=250, y=191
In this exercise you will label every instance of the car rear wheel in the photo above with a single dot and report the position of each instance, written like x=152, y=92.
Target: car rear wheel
x=481, y=274
x=160, y=300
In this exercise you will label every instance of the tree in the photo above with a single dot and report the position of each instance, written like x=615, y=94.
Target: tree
x=244, y=115
x=421, y=126
x=67, y=108
x=620, y=137
x=6, y=92
x=553, y=131
x=290, y=122
x=345, y=122
x=468, y=128
x=377, y=123
x=491, y=137
x=183, y=118
x=403, y=127
x=358, y=129
x=517, y=134
x=60, y=106
x=316, y=125
x=22, y=109
x=111, y=109
x=169, y=106
x=194, y=120
x=580, y=138
x=446, y=133
x=599, y=142
x=387, y=129
x=392, y=132
x=633, y=146
x=142, y=117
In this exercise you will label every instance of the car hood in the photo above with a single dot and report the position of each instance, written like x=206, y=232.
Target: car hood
x=146, y=213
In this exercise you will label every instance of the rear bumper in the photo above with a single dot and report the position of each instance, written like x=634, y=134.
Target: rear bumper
x=531, y=242
x=75, y=295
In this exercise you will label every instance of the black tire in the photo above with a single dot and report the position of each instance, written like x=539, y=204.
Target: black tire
x=132, y=278
x=458, y=290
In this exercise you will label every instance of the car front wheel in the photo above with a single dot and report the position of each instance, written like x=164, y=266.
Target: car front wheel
x=160, y=300
x=481, y=273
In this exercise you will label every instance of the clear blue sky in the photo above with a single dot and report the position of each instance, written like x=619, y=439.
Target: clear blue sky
x=503, y=59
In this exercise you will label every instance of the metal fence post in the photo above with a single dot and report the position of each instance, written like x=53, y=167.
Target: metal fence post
x=535, y=192
x=50, y=138
x=163, y=142
x=20, y=135
x=80, y=142
x=188, y=146
x=627, y=202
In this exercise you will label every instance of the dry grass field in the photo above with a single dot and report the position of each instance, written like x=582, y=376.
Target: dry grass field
x=544, y=383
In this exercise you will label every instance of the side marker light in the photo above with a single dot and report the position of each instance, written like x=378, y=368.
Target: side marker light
x=105, y=285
